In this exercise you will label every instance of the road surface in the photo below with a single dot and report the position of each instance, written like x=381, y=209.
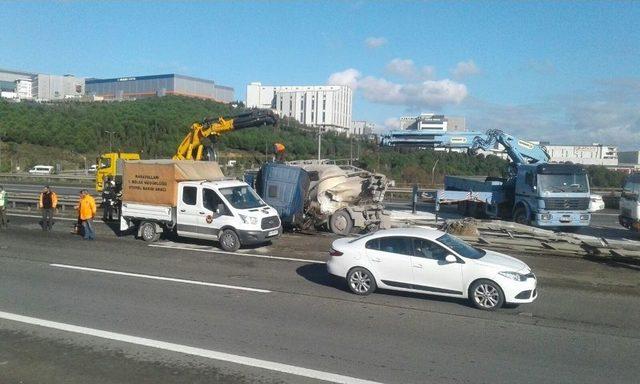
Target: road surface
x=117, y=310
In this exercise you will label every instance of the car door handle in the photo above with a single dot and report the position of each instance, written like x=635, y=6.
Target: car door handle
x=183, y=210
x=376, y=259
x=417, y=265
x=202, y=213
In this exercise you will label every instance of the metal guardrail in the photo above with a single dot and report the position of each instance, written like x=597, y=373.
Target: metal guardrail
x=30, y=201
x=40, y=178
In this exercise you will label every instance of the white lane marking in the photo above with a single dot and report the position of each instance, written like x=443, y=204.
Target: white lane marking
x=209, y=250
x=194, y=282
x=40, y=217
x=207, y=353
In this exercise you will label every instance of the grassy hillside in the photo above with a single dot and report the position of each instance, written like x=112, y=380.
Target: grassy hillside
x=34, y=133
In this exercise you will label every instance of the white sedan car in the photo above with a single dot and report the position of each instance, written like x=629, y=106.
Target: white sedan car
x=434, y=262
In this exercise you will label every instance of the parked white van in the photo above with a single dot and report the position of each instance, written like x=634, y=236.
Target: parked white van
x=41, y=170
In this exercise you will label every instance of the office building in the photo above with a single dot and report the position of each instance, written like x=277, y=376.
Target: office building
x=432, y=123
x=595, y=154
x=55, y=88
x=362, y=128
x=318, y=106
x=135, y=87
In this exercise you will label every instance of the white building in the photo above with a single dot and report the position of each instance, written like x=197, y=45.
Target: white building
x=53, y=87
x=319, y=106
x=596, y=154
x=433, y=123
x=24, y=89
x=362, y=128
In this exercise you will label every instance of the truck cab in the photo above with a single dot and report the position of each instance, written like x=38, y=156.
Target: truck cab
x=206, y=209
x=551, y=195
x=110, y=165
x=630, y=203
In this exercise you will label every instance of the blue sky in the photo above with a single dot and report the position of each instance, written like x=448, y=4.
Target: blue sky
x=562, y=71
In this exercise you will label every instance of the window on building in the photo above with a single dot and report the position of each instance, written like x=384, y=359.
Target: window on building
x=323, y=117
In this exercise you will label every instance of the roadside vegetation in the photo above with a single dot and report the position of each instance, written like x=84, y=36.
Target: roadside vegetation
x=68, y=133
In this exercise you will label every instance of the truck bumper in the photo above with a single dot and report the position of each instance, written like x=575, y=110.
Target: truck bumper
x=258, y=237
x=562, y=219
x=629, y=222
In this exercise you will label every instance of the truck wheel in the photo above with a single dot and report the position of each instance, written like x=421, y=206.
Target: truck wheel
x=341, y=223
x=148, y=232
x=520, y=216
x=229, y=240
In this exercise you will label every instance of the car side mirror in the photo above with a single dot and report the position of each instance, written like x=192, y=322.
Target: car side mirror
x=451, y=259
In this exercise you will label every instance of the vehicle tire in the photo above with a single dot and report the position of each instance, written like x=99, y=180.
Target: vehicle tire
x=229, y=240
x=360, y=281
x=341, y=223
x=486, y=295
x=520, y=216
x=148, y=232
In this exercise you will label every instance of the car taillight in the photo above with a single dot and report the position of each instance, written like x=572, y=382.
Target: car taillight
x=333, y=252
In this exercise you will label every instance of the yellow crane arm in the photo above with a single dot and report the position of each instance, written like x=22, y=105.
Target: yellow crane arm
x=203, y=134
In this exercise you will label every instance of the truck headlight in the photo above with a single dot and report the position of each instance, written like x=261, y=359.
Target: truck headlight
x=513, y=276
x=545, y=216
x=584, y=217
x=249, y=219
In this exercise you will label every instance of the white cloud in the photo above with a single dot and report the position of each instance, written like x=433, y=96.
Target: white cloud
x=392, y=123
x=417, y=94
x=465, y=69
x=608, y=114
x=407, y=69
x=375, y=42
x=347, y=77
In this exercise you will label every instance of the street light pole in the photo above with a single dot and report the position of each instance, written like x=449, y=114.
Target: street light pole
x=110, y=139
x=319, y=141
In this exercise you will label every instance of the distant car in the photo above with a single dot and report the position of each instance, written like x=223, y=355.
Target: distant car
x=41, y=170
x=595, y=203
x=93, y=168
x=434, y=262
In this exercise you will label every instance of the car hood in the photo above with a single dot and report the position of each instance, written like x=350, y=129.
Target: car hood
x=500, y=260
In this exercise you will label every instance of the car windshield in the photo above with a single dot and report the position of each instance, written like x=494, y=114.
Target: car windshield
x=460, y=247
x=631, y=190
x=105, y=162
x=563, y=183
x=242, y=197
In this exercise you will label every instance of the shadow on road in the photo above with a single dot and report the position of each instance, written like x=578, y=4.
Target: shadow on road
x=317, y=274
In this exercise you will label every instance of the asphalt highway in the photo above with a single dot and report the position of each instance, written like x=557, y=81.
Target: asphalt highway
x=117, y=310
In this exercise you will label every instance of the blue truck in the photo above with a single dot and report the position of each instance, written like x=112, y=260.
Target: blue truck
x=535, y=191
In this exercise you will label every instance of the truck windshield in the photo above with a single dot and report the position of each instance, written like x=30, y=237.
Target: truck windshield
x=631, y=190
x=563, y=183
x=105, y=162
x=460, y=247
x=242, y=197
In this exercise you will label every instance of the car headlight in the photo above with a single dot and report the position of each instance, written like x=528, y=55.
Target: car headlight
x=513, y=276
x=249, y=219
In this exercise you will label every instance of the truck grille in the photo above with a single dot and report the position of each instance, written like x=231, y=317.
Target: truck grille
x=270, y=222
x=561, y=204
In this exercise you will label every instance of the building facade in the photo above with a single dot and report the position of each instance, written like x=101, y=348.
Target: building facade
x=596, y=154
x=629, y=158
x=158, y=85
x=319, y=106
x=15, y=84
x=433, y=123
x=54, y=87
x=362, y=128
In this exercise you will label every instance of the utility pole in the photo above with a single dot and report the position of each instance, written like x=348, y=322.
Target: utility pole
x=319, y=142
x=351, y=151
x=110, y=139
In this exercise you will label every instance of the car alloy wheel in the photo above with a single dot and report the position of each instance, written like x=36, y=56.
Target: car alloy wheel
x=486, y=296
x=361, y=281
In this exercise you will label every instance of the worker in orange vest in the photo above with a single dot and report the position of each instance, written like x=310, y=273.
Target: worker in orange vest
x=279, y=151
x=86, y=213
x=48, y=202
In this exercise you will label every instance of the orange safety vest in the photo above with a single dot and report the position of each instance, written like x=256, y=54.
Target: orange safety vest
x=87, y=208
x=54, y=200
